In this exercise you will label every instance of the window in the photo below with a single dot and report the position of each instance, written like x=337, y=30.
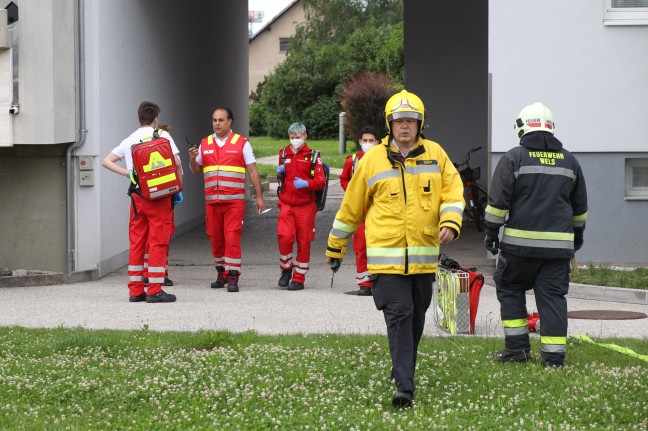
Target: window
x=284, y=44
x=636, y=179
x=625, y=12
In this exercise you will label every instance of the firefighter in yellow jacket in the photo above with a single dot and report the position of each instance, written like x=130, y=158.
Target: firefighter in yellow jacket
x=413, y=198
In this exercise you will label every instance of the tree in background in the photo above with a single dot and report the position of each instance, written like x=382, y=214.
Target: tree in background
x=364, y=97
x=339, y=39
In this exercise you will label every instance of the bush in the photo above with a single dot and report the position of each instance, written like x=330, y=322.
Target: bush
x=257, y=120
x=322, y=118
x=340, y=39
x=364, y=98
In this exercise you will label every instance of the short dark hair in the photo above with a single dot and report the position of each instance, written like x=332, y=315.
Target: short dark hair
x=147, y=112
x=369, y=129
x=230, y=116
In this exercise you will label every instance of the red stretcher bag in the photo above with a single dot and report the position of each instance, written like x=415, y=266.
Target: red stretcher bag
x=155, y=167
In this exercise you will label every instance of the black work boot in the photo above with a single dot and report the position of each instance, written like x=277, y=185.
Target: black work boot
x=232, y=281
x=220, y=280
x=507, y=355
x=364, y=291
x=402, y=400
x=161, y=296
x=137, y=298
x=286, y=275
x=556, y=360
x=296, y=285
x=168, y=281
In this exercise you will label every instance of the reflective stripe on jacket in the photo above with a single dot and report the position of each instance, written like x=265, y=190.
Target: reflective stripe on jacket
x=406, y=201
x=543, y=194
x=223, y=169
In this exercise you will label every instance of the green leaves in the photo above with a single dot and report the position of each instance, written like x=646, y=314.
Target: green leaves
x=340, y=39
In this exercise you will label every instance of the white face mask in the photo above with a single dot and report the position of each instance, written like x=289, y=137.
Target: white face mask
x=297, y=142
x=366, y=147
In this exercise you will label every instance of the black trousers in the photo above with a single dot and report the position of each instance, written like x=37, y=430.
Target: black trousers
x=403, y=299
x=549, y=279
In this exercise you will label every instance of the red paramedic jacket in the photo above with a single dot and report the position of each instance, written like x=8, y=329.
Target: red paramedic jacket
x=299, y=166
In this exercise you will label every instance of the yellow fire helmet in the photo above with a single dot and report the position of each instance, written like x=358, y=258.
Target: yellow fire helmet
x=404, y=105
x=534, y=118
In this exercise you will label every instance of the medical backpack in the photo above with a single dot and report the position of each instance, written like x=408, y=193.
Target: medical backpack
x=155, y=167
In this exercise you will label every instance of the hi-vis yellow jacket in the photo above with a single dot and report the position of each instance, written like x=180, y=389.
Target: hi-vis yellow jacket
x=406, y=202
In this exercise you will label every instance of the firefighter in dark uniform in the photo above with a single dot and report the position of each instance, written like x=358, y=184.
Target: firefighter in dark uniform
x=538, y=193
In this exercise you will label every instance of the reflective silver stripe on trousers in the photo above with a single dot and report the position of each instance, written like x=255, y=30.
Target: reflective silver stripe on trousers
x=136, y=267
x=520, y=330
x=579, y=223
x=135, y=278
x=156, y=269
x=544, y=243
x=554, y=348
x=156, y=280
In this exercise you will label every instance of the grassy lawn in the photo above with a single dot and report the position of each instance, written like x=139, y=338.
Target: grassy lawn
x=265, y=146
x=600, y=276
x=80, y=379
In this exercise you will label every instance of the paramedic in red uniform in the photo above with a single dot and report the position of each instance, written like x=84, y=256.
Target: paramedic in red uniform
x=223, y=158
x=368, y=138
x=153, y=221
x=299, y=179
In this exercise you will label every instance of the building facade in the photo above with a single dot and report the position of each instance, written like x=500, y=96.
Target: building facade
x=72, y=73
x=269, y=46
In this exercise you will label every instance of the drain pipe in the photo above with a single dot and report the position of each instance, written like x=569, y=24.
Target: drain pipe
x=69, y=165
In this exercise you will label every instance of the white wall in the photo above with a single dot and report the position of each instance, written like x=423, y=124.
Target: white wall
x=186, y=57
x=593, y=77
x=46, y=73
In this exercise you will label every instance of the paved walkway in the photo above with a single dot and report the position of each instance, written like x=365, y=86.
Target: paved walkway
x=260, y=305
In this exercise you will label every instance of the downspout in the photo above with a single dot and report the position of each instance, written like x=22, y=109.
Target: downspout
x=69, y=166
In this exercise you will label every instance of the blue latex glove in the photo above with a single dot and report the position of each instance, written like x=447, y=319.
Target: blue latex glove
x=300, y=184
x=281, y=169
x=178, y=198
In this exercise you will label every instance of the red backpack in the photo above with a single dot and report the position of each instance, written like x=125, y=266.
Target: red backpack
x=155, y=168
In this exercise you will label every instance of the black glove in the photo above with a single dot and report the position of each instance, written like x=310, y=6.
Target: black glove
x=491, y=242
x=578, y=240
x=335, y=264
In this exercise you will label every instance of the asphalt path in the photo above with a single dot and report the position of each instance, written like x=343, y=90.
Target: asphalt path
x=261, y=305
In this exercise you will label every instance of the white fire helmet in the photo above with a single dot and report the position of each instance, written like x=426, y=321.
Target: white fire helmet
x=534, y=118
